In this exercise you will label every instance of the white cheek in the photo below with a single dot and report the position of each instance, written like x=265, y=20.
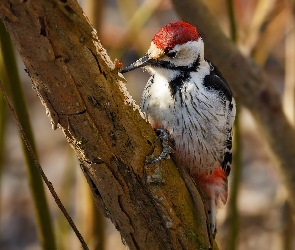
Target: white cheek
x=188, y=52
x=186, y=57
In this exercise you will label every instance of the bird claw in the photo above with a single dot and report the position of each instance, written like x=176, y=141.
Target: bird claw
x=167, y=149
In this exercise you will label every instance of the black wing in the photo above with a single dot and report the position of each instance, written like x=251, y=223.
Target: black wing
x=215, y=81
x=227, y=155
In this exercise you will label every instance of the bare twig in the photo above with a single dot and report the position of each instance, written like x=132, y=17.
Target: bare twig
x=12, y=83
x=39, y=168
x=232, y=212
x=289, y=88
x=232, y=20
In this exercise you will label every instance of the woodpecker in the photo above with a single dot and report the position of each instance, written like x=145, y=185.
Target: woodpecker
x=188, y=97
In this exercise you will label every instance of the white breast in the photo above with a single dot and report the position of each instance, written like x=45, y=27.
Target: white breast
x=197, y=120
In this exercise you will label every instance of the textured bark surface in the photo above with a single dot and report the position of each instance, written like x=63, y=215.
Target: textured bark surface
x=250, y=85
x=84, y=96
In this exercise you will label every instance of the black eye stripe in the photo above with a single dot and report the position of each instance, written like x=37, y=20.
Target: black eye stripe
x=169, y=65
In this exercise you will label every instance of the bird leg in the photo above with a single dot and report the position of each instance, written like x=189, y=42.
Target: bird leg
x=167, y=149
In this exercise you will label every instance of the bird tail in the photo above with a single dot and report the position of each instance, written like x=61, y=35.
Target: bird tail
x=214, y=189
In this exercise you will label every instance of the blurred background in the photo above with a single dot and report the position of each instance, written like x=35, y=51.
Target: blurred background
x=264, y=31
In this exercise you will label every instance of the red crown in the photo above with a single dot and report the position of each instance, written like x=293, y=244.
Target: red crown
x=173, y=33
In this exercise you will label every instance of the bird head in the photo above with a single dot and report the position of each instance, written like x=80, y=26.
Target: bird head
x=176, y=46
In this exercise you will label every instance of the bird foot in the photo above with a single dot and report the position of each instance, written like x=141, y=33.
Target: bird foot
x=167, y=149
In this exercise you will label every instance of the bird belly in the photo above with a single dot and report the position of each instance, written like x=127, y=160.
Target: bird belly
x=198, y=139
x=196, y=157
x=197, y=146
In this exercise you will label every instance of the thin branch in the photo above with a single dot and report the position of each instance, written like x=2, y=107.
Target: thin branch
x=232, y=212
x=289, y=88
x=39, y=168
x=136, y=23
x=276, y=24
x=3, y=121
x=232, y=20
x=262, y=10
x=94, y=10
x=12, y=82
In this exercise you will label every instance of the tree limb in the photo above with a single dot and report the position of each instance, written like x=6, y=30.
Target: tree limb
x=84, y=95
x=250, y=84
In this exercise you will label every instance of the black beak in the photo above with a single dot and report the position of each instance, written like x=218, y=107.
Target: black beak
x=141, y=62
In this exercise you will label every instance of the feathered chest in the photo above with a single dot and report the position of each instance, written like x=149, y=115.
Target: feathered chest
x=197, y=117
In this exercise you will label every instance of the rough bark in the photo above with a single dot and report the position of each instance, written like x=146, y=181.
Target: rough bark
x=250, y=85
x=85, y=97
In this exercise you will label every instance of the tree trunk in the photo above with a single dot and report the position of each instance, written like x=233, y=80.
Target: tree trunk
x=85, y=97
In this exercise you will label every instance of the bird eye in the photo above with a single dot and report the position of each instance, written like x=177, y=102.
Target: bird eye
x=170, y=53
